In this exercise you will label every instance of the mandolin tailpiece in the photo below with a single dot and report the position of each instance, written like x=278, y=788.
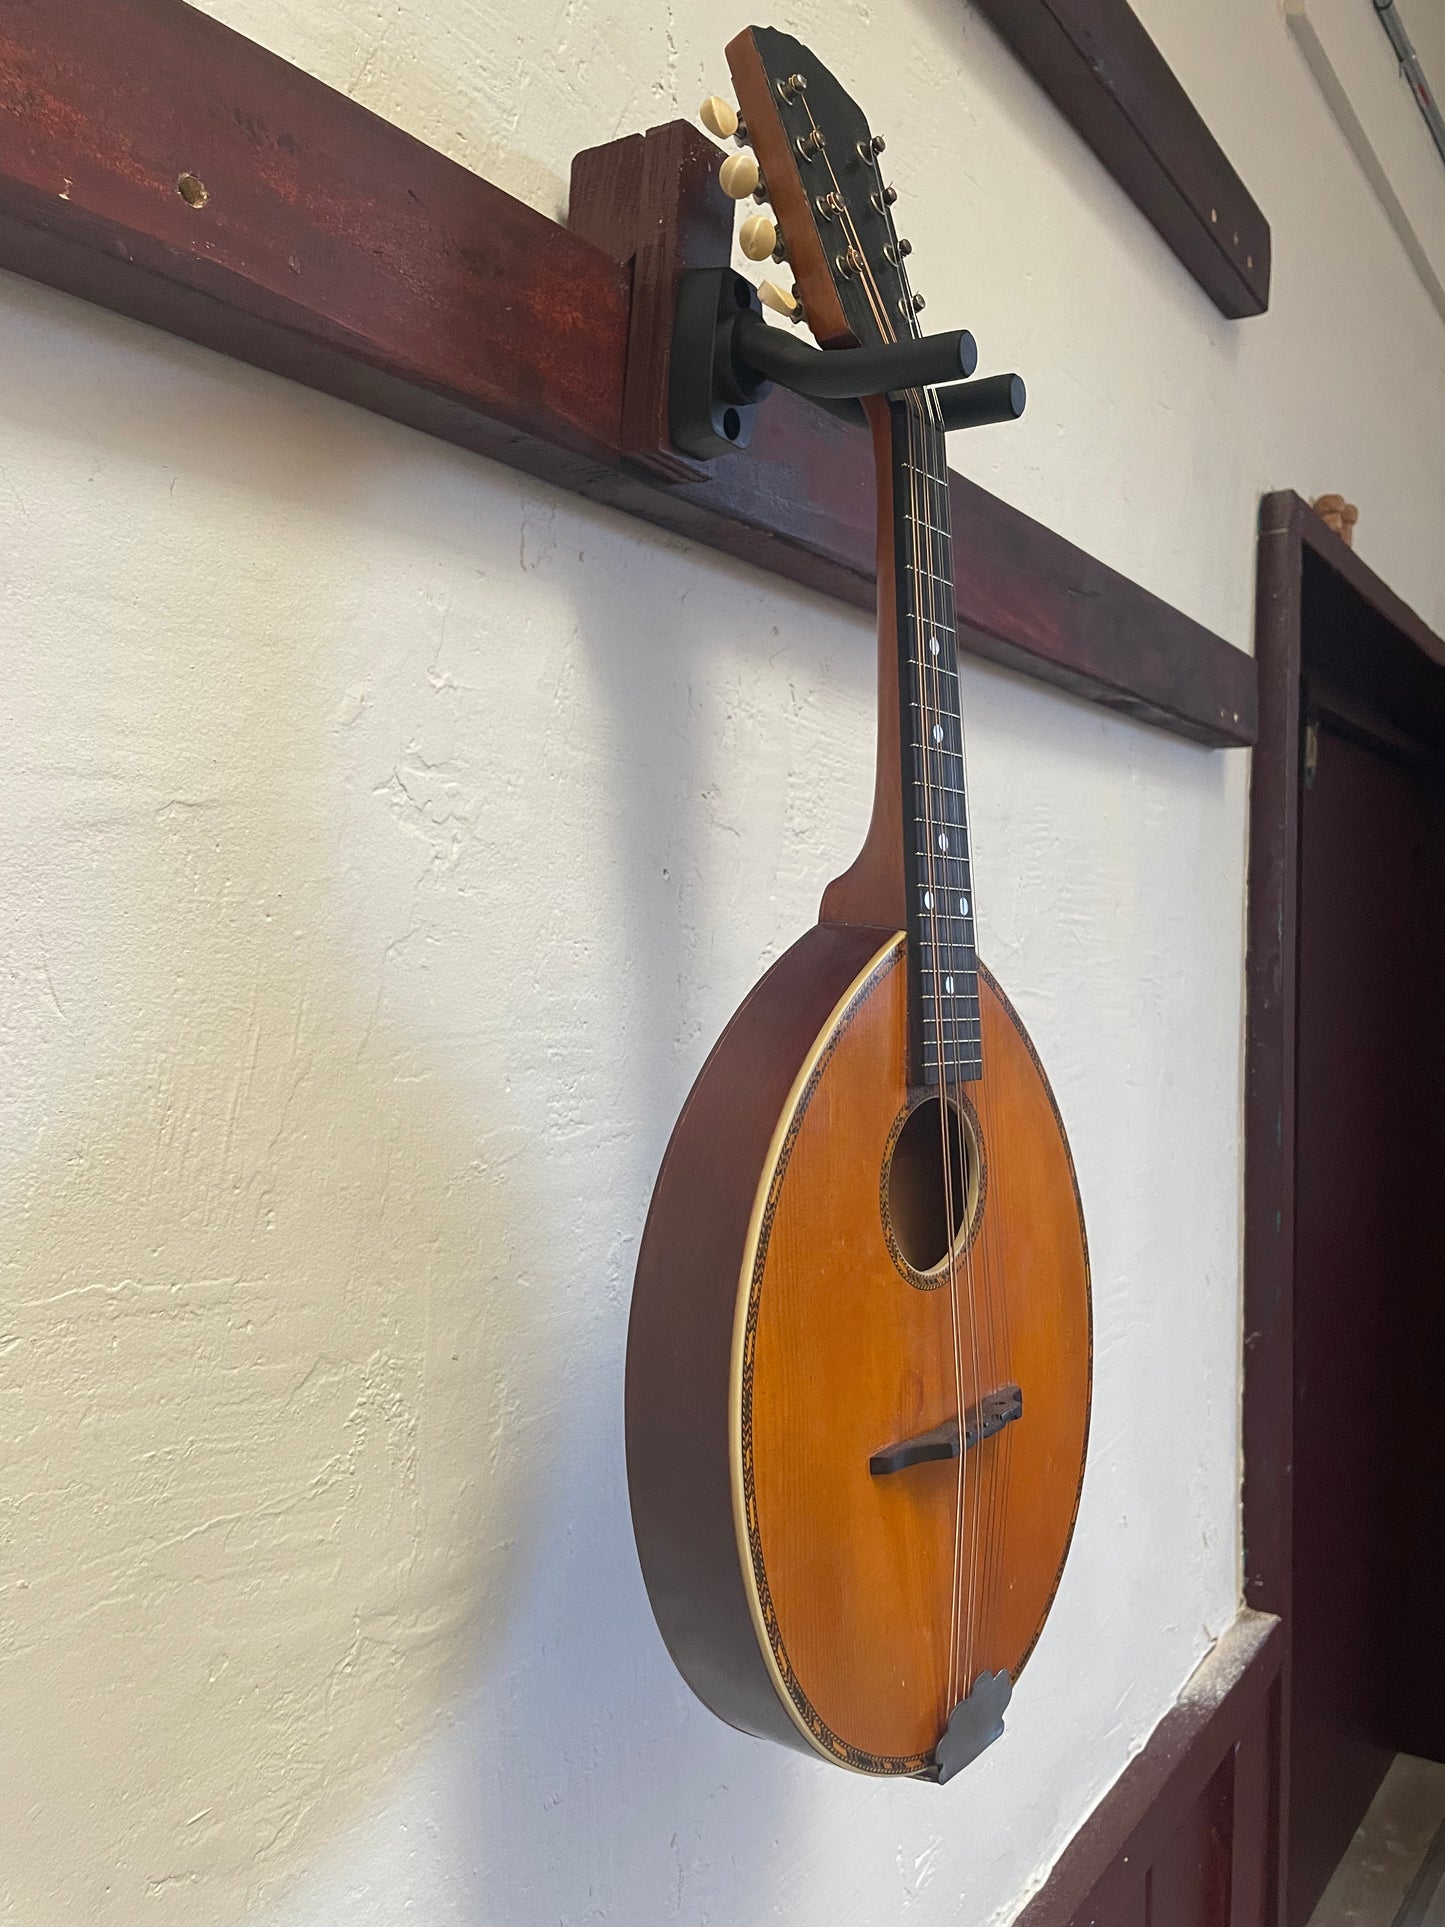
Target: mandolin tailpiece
x=973, y=1726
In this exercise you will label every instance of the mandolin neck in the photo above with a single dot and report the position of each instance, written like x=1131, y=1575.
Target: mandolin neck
x=914, y=872
x=944, y=1035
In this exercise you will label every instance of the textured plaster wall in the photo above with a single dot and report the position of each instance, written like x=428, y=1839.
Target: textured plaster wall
x=385, y=840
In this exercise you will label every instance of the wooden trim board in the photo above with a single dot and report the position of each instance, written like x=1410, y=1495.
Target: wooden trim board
x=329, y=247
x=1210, y=1765
x=1097, y=64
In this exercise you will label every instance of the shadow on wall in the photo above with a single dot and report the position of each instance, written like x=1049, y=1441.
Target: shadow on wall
x=253, y=1389
x=596, y=1785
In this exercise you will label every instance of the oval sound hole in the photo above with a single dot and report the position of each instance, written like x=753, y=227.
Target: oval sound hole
x=930, y=1214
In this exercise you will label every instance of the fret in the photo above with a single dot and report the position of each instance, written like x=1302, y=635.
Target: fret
x=934, y=785
x=922, y=522
x=953, y=1070
x=950, y=947
x=932, y=668
x=937, y=788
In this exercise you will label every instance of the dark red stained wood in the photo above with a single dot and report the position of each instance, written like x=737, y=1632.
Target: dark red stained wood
x=335, y=250
x=1269, y=1064
x=1022, y=601
x=331, y=248
x=1184, y=1837
x=1385, y=648
x=1100, y=68
x=1190, y=1883
x=1366, y=1093
x=653, y=199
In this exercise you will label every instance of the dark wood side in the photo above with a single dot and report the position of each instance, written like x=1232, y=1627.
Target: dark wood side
x=653, y=200
x=680, y=1336
x=1097, y=64
x=1269, y=1063
x=1187, y=1835
x=333, y=249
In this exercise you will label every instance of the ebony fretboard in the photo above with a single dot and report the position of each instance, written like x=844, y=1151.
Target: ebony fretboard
x=945, y=1042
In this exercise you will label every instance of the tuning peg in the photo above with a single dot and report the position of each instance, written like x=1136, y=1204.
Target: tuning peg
x=718, y=116
x=757, y=237
x=739, y=176
x=780, y=300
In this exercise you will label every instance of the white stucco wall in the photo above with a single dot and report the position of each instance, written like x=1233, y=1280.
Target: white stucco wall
x=385, y=840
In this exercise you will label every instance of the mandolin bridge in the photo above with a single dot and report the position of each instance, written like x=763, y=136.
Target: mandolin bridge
x=981, y=1421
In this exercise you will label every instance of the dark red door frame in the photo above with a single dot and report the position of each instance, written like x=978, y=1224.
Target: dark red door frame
x=1385, y=663
x=1399, y=645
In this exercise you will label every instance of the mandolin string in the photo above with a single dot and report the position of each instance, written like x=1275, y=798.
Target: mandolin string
x=947, y=1019
x=932, y=898
x=1002, y=1444
x=946, y=1040
x=1002, y=1455
x=931, y=436
x=936, y=466
x=930, y=447
x=946, y=1022
x=884, y=323
x=929, y=578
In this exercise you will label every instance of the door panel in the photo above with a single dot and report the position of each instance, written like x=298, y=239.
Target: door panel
x=1367, y=1276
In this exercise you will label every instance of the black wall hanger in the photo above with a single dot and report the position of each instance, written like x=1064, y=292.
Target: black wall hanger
x=726, y=359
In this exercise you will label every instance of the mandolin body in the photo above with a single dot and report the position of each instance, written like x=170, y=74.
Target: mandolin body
x=788, y=1325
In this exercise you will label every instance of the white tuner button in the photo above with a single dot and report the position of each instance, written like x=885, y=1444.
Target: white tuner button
x=778, y=299
x=757, y=237
x=719, y=117
x=739, y=176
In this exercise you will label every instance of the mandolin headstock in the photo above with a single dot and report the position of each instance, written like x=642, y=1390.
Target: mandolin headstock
x=820, y=167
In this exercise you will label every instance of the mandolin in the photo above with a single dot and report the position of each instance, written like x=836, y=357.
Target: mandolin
x=860, y=1351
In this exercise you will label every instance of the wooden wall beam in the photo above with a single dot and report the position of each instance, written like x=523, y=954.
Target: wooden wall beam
x=161, y=165
x=1097, y=64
